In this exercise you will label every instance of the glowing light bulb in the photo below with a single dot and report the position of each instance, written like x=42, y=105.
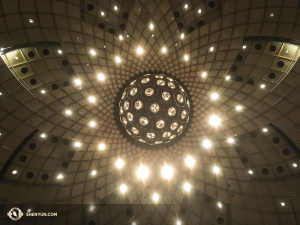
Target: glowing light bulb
x=282, y=204
x=220, y=205
x=265, y=130
x=102, y=14
x=199, y=10
x=43, y=91
x=92, y=208
x=59, y=51
x=214, y=96
x=92, y=124
x=216, y=169
x=189, y=161
x=118, y=60
x=93, y=52
x=120, y=163
x=211, y=49
x=101, y=146
x=186, y=57
x=31, y=20
x=101, y=76
x=94, y=172
x=77, y=81
x=206, y=144
x=250, y=172
x=142, y=172
x=155, y=197
x=164, y=50
x=121, y=37
x=178, y=223
x=182, y=35
x=92, y=99
x=116, y=7
x=151, y=26
x=238, y=108
x=244, y=46
x=263, y=86
x=167, y=172
x=186, y=6
x=140, y=50
x=68, y=112
x=123, y=188
x=77, y=144
x=43, y=135
x=295, y=165
x=14, y=172
x=59, y=176
x=187, y=187
x=227, y=77
x=214, y=121
x=230, y=140
x=204, y=74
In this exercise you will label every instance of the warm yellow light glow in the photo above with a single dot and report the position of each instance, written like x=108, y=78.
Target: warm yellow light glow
x=92, y=99
x=94, y=172
x=92, y=124
x=282, y=204
x=101, y=146
x=186, y=57
x=121, y=37
x=204, y=74
x=43, y=91
x=140, y=50
x=214, y=121
x=164, y=50
x=211, y=49
x=14, y=172
x=250, y=172
x=244, y=46
x=238, y=108
x=206, y=144
x=77, y=81
x=68, y=112
x=189, y=161
x=220, y=205
x=43, y=135
x=263, y=86
x=151, y=26
x=214, y=96
x=101, y=76
x=295, y=165
x=77, y=144
x=118, y=60
x=120, y=163
x=142, y=172
x=230, y=140
x=182, y=35
x=59, y=51
x=123, y=188
x=155, y=197
x=187, y=187
x=167, y=172
x=93, y=52
x=216, y=169
x=265, y=130
x=227, y=77
x=59, y=176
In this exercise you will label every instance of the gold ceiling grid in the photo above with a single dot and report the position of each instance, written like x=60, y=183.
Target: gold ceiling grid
x=60, y=21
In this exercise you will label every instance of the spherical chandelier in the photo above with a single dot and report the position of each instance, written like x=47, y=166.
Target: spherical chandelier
x=154, y=109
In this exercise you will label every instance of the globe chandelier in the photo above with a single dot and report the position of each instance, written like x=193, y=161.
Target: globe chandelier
x=154, y=109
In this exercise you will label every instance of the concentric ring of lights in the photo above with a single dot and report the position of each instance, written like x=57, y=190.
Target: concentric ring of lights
x=154, y=109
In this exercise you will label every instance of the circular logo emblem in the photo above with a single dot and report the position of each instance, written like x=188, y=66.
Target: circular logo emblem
x=15, y=214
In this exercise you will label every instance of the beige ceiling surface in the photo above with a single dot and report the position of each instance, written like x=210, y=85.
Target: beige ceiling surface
x=252, y=198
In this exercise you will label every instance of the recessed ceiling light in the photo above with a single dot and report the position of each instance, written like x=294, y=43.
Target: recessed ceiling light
x=155, y=197
x=167, y=172
x=186, y=6
x=59, y=176
x=68, y=112
x=43, y=135
x=211, y=49
x=244, y=46
x=120, y=163
x=101, y=76
x=182, y=35
x=121, y=37
x=31, y=20
x=142, y=172
x=189, y=161
x=140, y=50
x=59, y=51
x=101, y=146
x=92, y=208
x=199, y=10
x=93, y=52
x=186, y=57
x=230, y=140
x=216, y=169
x=271, y=14
x=14, y=172
x=77, y=144
x=220, y=205
x=295, y=165
x=164, y=50
x=77, y=81
x=227, y=77
x=250, y=172
x=265, y=130
x=102, y=13
x=116, y=7
x=214, y=121
x=204, y=74
x=206, y=144
x=151, y=26
x=282, y=204
x=92, y=124
x=214, y=96
x=238, y=108
x=187, y=187
x=43, y=91
x=263, y=86
x=118, y=60
x=94, y=172
x=123, y=188
x=92, y=99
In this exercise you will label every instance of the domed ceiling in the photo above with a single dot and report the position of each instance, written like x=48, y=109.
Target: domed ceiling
x=64, y=65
